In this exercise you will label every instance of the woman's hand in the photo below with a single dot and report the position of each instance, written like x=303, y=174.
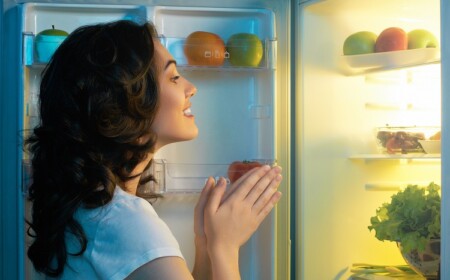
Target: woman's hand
x=232, y=216
x=200, y=208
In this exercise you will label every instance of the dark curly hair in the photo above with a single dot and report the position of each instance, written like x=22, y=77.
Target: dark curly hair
x=98, y=96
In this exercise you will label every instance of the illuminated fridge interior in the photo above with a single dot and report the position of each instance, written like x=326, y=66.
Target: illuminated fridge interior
x=342, y=102
x=235, y=109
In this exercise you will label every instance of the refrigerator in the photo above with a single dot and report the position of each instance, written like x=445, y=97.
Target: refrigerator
x=343, y=104
x=242, y=113
x=306, y=107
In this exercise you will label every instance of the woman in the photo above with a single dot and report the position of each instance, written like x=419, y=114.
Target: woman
x=109, y=99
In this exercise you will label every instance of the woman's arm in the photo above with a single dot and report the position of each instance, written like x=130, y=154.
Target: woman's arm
x=202, y=266
x=173, y=268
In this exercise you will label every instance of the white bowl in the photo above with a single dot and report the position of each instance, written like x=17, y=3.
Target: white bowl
x=431, y=146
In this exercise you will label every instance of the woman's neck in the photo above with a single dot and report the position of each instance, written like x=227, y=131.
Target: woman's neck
x=131, y=186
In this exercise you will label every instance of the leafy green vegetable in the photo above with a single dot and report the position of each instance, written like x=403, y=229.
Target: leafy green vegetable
x=412, y=218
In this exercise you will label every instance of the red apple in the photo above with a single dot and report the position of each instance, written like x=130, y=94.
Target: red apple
x=391, y=39
x=238, y=168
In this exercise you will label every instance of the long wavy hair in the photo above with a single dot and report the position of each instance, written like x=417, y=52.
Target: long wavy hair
x=98, y=96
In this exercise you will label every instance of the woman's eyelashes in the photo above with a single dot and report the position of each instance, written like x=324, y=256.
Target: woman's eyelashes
x=174, y=79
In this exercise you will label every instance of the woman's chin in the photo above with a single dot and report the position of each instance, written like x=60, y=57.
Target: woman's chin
x=187, y=137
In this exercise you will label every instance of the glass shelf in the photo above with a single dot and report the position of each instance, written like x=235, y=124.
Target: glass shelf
x=415, y=156
x=384, y=61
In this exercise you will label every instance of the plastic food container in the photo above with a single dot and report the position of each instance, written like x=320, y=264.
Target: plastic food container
x=404, y=140
x=46, y=46
x=431, y=146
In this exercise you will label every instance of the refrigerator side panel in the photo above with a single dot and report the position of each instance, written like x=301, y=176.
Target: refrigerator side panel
x=10, y=152
x=283, y=142
x=445, y=207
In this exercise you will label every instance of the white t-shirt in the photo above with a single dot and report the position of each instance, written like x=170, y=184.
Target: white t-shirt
x=122, y=236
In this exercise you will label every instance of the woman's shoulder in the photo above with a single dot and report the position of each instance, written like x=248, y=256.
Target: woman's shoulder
x=122, y=204
x=127, y=228
x=127, y=218
x=127, y=203
x=124, y=211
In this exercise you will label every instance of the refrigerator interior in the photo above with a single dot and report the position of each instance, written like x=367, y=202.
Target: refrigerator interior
x=235, y=110
x=340, y=102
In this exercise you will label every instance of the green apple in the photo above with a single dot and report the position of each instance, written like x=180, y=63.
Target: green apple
x=245, y=49
x=421, y=38
x=361, y=42
x=53, y=32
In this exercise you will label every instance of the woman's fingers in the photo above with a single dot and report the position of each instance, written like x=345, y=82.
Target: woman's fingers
x=264, y=197
x=237, y=183
x=248, y=181
x=200, y=207
x=216, y=195
x=266, y=184
x=204, y=195
x=269, y=206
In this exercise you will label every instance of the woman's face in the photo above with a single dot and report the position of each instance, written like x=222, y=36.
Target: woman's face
x=174, y=121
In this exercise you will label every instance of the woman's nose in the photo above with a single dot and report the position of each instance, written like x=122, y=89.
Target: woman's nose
x=192, y=90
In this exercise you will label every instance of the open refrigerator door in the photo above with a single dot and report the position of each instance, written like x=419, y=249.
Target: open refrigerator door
x=350, y=111
x=242, y=111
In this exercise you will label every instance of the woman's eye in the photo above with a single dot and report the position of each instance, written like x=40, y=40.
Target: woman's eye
x=174, y=79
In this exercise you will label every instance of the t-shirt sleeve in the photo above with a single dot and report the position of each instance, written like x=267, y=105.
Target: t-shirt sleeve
x=130, y=235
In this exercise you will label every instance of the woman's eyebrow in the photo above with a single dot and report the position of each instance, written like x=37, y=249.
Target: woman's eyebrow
x=170, y=62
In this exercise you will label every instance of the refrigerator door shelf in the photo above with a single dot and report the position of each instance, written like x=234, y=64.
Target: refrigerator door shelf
x=38, y=53
x=176, y=47
x=186, y=177
x=375, y=62
x=40, y=16
x=224, y=22
x=30, y=55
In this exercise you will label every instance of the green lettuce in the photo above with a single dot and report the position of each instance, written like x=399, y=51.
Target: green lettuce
x=411, y=218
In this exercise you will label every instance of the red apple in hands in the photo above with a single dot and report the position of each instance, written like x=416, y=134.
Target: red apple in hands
x=391, y=39
x=421, y=38
x=238, y=168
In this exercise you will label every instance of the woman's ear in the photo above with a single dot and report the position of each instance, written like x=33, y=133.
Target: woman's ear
x=143, y=139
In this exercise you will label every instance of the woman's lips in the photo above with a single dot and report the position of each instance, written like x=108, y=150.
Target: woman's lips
x=187, y=112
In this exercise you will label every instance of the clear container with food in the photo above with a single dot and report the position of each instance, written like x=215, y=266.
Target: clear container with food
x=404, y=139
